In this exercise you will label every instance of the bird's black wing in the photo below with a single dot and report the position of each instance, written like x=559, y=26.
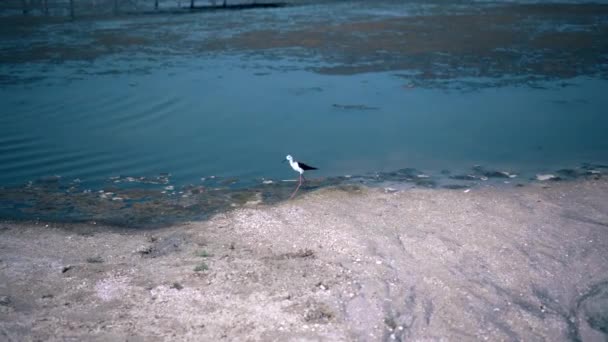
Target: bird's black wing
x=306, y=167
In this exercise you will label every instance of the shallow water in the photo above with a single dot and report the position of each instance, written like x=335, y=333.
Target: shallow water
x=226, y=96
x=242, y=125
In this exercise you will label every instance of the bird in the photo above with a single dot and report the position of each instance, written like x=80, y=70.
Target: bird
x=299, y=167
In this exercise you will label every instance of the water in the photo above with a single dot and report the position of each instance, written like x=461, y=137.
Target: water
x=185, y=99
x=242, y=125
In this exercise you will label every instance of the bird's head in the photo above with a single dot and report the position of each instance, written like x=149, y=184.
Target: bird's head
x=289, y=158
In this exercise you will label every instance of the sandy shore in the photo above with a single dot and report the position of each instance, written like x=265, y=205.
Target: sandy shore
x=526, y=263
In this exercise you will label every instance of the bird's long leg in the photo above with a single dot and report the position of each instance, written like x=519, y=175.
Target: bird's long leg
x=298, y=187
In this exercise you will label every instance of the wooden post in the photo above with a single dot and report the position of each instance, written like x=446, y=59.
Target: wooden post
x=191, y=4
x=224, y=5
x=45, y=3
x=72, y=9
x=156, y=5
x=24, y=5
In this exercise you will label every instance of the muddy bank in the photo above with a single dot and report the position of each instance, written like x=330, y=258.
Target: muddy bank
x=480, y=42
x=510, y=264
x=522, y=43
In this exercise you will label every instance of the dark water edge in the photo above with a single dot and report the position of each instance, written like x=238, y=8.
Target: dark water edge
x=152, y=202
x=88, y=8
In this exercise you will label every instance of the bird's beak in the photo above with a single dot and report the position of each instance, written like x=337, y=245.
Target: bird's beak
x=284, y=160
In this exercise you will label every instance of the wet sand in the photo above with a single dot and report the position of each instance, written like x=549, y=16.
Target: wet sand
x=526, y=263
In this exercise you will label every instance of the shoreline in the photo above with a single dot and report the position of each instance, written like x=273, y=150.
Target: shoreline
x=157, y=201
x=502, y=264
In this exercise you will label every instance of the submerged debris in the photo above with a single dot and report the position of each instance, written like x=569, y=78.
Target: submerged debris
x=162, y=178
x=546, y=177
x=464, y=177
x=488, y=173
x=568, y=173
x=354, y=107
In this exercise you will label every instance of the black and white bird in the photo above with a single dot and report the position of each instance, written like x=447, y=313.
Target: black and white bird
x=299, y=167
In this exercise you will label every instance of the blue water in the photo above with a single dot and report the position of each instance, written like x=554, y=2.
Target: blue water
x=177, y=106
x=201, y=120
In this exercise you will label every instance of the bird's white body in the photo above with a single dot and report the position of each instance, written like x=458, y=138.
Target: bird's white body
x=299, y=168
x=294, y=165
